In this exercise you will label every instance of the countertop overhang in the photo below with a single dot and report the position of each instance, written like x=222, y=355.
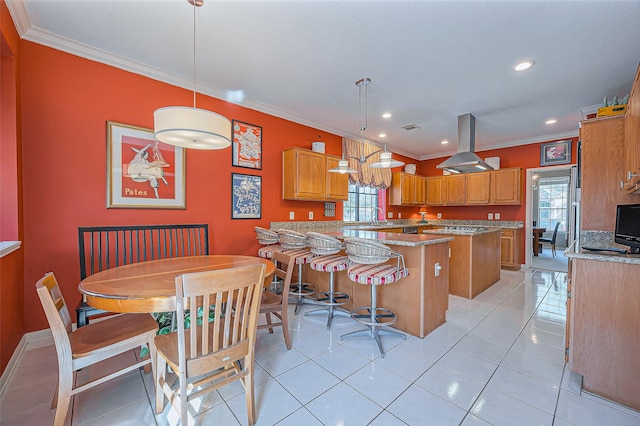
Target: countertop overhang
x=391, y=238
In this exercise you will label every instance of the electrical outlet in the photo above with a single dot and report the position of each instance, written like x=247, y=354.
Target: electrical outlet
x=497, y=216
x=310, y=215
x=292, y=215
x=439, y=215
x=390, y=215
x=399, y=215
x=437, y=268
x=490, y=216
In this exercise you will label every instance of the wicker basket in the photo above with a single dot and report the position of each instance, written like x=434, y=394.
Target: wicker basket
x=323, y=244
x=367, y=252
x=266, y=237
x=292, y=240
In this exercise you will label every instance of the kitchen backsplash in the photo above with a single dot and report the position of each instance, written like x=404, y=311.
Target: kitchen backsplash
x=304, y=226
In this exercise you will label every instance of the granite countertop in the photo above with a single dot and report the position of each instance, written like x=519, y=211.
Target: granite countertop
x=599, y=239
x=479, y=231
x=391, y=238
x=335, y=225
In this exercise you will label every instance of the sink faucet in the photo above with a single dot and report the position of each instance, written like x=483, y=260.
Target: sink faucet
x=375, y=210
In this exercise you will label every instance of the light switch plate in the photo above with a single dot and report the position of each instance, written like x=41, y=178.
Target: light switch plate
x=399, y=215
x=439, y=215
x=490, y=216
x=497, y=216
x=310, y=215
x=390, y=215
x=292, y=215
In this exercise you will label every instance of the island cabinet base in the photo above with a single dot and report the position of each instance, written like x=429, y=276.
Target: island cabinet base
x=605, y=328
x=420, y=300
x=475, y=264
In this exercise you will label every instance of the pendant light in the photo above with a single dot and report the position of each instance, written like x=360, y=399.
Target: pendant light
x=192, y=127
x=385, y=156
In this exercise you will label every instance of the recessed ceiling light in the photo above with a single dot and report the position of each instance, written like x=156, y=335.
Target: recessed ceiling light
x=522, y=66
x=552, y=121
x=382, y=135
x=386, y=115
x=444, y=142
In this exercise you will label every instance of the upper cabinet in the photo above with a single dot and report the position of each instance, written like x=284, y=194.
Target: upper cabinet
x=305, y=176
x=502, y=186
x=407, y=190
x=506, y=186
x=631, y=177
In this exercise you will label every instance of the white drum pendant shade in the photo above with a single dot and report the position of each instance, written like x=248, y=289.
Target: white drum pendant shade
x=191, y=128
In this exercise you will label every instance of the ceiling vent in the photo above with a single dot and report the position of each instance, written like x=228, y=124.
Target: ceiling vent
x=412, y=126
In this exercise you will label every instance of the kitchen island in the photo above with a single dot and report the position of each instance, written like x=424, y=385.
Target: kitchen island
x=474, y=265
x=421, y=299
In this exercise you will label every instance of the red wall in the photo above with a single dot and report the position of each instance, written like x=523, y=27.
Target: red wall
x=11, y=266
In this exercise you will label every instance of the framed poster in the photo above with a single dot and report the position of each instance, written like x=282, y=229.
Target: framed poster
x=555, y=153
x=246, y=196
x=247, y=145
x=143, y=173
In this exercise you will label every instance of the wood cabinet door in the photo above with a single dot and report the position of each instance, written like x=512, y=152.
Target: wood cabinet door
x=506, y=249
x=632, y=139
x=478, y=188
x=408, y=188
x=455, y=190
x=337, y=185
x=420, y=191
x=303, y=174
x=434, y=191
x=506, y=186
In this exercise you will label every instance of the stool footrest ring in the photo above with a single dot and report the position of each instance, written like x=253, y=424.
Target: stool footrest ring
x=381, y=318
x=335, y=299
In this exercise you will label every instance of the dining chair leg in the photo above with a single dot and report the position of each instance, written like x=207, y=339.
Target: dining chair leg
x=65, y=382
x=159, y=379
x=251, y=408
x=267, y=315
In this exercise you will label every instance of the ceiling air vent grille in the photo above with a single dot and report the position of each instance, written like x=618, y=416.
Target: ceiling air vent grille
x=411, y=126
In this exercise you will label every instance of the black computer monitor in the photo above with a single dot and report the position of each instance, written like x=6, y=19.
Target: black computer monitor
x=628, y=226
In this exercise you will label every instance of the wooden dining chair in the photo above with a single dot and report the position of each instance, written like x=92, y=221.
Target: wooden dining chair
x=276, y=305
x=91, y=344
x=217, y=350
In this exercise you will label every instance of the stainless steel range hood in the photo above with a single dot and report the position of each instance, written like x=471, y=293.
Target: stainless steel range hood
x=465, y=161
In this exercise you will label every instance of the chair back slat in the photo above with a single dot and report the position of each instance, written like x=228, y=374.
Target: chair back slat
x=233, y=296
x=104, y=247
x=57, y=314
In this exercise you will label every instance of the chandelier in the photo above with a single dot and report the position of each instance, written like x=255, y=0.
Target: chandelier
x=192, y=127
x=385, y=161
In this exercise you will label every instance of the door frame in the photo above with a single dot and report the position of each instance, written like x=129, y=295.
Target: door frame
x=528, y=227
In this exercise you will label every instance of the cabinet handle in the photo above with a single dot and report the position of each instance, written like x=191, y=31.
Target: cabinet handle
x=630, y=175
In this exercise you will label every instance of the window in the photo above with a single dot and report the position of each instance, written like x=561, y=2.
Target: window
x=363, y=201
x=553, y=200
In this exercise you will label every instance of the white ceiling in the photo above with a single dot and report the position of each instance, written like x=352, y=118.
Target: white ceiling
x=429, y=61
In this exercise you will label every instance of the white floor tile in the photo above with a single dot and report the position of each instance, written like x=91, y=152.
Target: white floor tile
x=279, y=359
x=343, y=405
x=534, y=367
x=300, y=417
x=416, y=405
x=273, y=403
x=451, y=386
x=341, y=361
x=535, y=392
x=471, y=366
x=378, y=384
x=428, y=349
x=404, y=364
x=583, y=411
x=386, y=419
x=497, y=408
x=307, y=380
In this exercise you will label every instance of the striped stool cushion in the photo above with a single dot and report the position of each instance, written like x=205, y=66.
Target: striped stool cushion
x=329, y=263
x=376, y=274
x=266, y=252
x=301, y=256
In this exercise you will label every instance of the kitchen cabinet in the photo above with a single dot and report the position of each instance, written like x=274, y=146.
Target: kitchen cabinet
x=602, y=165
x=506, y=186
x=631, y=183
x=478, y=188
x=605, y=319
x=305, y=176
x=434, y=190
x=407, y=189
x=510, y=247
x=455, y=190
x=496, y=187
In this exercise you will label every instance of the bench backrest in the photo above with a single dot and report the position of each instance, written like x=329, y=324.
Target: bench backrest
x=104, y=247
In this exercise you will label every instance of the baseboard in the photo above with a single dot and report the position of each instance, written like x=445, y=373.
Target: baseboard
x=28, y=341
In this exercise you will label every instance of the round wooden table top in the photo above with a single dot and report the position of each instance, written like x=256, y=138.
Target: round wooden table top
x=151, y=286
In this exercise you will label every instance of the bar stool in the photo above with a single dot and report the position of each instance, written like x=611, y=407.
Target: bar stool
x=270, y=244
x=295, y=245
x=327, y=259
x=368, y=266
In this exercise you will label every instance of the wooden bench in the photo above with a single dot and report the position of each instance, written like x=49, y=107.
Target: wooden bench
x=104, y=247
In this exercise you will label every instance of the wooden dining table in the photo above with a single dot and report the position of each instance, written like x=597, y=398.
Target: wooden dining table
x=151, y=286
x=537, y=233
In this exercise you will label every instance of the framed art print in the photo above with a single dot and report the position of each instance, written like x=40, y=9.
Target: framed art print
x=555, y=153
x=142, y=172
x=247, y=145
x=246, y=196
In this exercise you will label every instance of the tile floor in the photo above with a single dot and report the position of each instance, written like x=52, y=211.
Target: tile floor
x=497, y=361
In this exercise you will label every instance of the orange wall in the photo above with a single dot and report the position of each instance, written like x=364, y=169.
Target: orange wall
x=12, y=265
